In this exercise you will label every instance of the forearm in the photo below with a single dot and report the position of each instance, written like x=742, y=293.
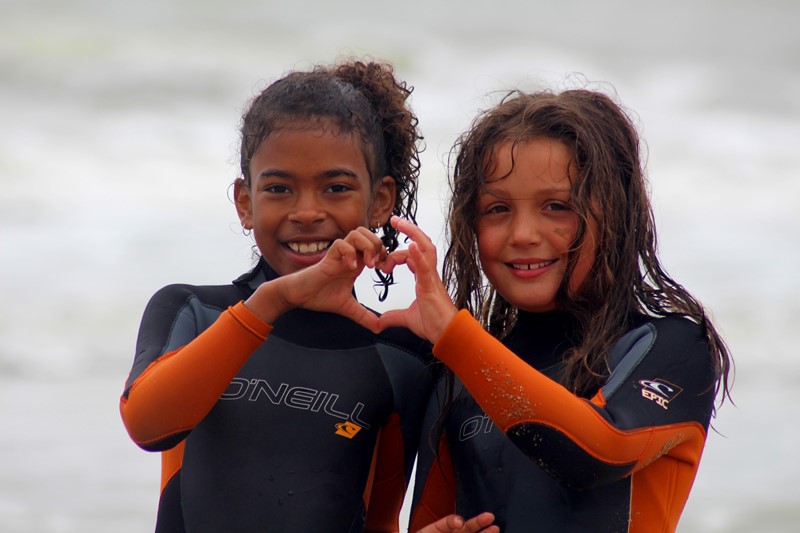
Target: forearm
x=180, y=388
x=569, y=436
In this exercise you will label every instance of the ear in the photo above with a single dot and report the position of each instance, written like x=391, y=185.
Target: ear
x=383, y=197
x=244, y=204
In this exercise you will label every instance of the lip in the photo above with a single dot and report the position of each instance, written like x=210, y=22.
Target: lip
x=530, y=268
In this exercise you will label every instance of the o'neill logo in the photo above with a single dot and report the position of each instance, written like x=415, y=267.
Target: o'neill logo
x=303, y=398
x=473, y=426
x=660, y=391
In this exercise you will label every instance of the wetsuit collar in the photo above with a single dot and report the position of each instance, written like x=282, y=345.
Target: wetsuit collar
x=542, y=338
x=260, y=273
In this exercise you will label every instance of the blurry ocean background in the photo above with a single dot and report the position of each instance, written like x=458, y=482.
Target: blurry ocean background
x=118, y=141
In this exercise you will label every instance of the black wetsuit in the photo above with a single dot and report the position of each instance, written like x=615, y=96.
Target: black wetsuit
x=545, y=460
x=313, y=429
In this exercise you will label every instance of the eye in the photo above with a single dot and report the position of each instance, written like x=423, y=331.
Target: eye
x=276, y=188
x=495, y=209
x=557, y=206
x=339, y=188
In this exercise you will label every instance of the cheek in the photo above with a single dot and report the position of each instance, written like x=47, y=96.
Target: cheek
x=583, y=266
x=566, y=231
x=487, y=243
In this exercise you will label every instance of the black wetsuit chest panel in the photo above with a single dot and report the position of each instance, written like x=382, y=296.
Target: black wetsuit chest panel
x=493, y=473
x=316, y=411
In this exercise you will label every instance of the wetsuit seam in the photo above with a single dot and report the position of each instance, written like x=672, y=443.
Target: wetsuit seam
x=572, y=438
x=153, y=442
x=670, y=496
x=650, y=431
x=615, y=380
x=391, y=344
x=186, y=304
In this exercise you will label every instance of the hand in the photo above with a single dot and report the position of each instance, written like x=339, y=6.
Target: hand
x=326, y=286
x=432, y=310
x=455, y=524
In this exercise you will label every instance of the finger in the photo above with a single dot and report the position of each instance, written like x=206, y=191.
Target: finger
x=362, y=316
x=411, y=230
x=398, y=257
x=368, y=245
x=343, y=252
x=425, y=271
x=391, y=319
x=478, y=523
x=454, y=522
x=449, y=524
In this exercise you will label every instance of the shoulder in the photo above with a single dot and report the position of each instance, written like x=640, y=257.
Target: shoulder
x=666, y=344
x=668, y=340
x=178, y=295
x=675, y=324
x=188, y=308
x=678, y=335
x=647, y=331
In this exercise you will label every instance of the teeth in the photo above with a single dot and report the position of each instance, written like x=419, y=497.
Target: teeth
x=534, y=266
x=308, y=247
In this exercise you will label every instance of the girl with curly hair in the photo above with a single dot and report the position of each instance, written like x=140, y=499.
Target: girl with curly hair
x=273, y=403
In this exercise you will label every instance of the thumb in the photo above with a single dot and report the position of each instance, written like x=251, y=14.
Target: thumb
x=361, y=315
x=393, y=318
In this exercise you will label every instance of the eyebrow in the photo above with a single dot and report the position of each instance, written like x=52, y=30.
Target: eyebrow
x=498, y=191
x=339, y=172
x=331, y=173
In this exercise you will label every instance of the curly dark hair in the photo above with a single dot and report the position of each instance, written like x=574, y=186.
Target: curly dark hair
x=361, y=98
x=610, y=188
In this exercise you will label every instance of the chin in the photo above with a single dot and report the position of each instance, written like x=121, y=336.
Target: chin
x=534, y=307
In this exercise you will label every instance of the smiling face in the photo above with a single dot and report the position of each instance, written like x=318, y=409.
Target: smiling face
x=527, y=225
x=308, y=188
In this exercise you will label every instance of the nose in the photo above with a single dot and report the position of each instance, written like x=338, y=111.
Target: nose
x=307, y=210
x=524, y=230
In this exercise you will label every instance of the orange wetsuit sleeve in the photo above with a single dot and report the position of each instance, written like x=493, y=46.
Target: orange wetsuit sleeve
x=178, y=390
x=515, y=395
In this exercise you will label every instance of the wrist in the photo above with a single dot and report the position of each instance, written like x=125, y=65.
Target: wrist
x=446, y=316
x=270, y=300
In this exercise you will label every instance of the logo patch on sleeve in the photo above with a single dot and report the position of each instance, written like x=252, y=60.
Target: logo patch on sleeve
x=660, y=391
x=347, y=429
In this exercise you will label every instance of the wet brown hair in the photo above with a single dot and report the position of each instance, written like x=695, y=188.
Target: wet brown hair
x=360, y=98
x=610, y=188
